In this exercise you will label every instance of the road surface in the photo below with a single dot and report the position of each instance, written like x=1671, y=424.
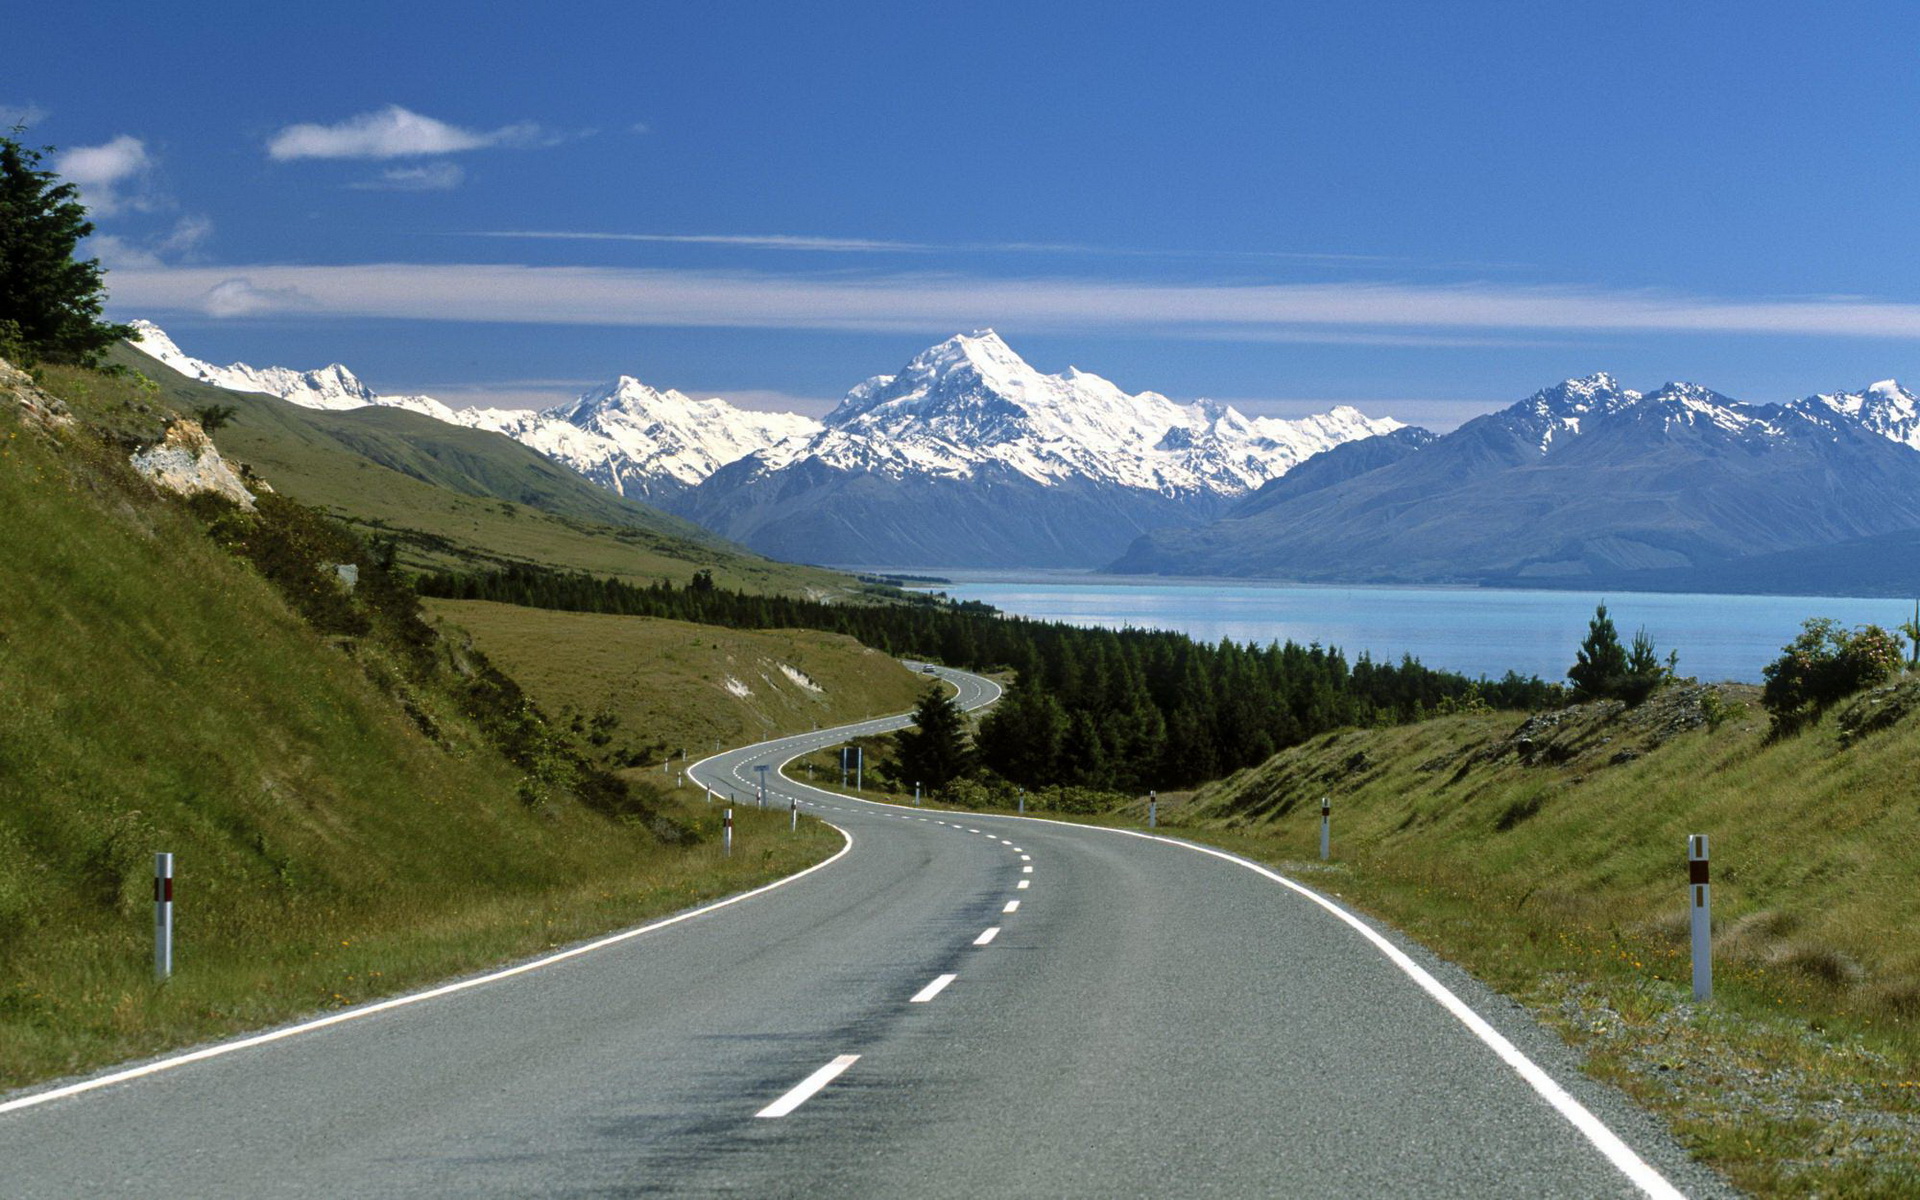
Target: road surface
x=953, y=1006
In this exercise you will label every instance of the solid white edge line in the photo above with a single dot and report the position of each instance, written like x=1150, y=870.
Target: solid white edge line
x=805, y=1089
x=933, y=989
x=222, y=1049
x=992, y=932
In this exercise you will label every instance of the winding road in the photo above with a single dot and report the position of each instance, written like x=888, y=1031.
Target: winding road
x=951, y=1006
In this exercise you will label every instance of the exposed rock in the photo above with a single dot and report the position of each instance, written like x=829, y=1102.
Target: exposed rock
x=187, y=462
x=48, y=412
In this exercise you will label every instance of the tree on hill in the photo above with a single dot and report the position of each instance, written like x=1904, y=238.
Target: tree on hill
x=1605, y=670
x=50, y=301
x=934, y=752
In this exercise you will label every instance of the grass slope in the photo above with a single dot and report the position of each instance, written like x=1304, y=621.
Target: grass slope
x=1550, y=860
x=667, y=682
x=453, y=497
x=157, y=694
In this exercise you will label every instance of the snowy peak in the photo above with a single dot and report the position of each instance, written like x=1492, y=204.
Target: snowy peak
x=972, y=404
x=330, y=387
x=1884, y=408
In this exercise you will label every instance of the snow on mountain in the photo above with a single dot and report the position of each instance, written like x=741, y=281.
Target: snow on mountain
x=625, y=436
x=1885, y=408
x=971, y=403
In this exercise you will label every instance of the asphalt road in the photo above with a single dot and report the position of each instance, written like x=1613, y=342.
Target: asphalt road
x=954, y=1006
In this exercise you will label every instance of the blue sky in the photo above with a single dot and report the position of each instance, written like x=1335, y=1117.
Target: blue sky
x=1425, y=210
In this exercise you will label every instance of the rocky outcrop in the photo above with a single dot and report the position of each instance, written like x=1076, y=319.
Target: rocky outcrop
x=187, y=462
x=40, y=409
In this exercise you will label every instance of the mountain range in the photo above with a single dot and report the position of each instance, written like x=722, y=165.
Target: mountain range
x=968, y=456
x=1585, y=483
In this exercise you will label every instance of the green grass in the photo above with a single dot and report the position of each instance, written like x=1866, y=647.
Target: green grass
x=1556, y=872
x=157, y=694
x=667, y=681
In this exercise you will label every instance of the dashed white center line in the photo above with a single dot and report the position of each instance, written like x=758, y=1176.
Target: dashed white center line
x=993, y=931
x=1027, y=870
x=1026, y=858
x=973, y=831
x=933, y=989
x=1022, y=885
x=806, y=1088
x=1012, y=906
x=1005, y=842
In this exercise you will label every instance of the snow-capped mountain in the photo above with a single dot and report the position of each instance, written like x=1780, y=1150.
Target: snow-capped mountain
x=1583, y=481
x=971, y=456
x=624, y=436
x=971, y=402
x=1885, y=408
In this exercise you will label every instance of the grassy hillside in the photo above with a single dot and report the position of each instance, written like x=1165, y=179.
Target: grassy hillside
x=353, y=812
x=670, y=684
x=1548, y=855
x=450, y=496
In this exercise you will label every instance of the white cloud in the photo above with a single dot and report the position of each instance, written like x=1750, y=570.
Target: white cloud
x=431, y=177
x=239, y=296
x=21, y=115
x=393, y=132
x=110, y=176
x=640, y=127
x=927, y=303
x=182, y=241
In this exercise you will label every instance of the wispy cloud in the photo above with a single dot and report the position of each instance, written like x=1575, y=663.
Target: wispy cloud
x=183, y=241
x=395, y=132
x=239, y=296
x=862, y=245
x=432, y=177
x=21, y=115
x=111, y=176
x=935, y=303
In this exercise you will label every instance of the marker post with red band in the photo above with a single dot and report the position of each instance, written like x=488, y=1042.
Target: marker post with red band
x=162, y=916
x=1700, y=904
x=1326, y=828
x=793, y=807
x=726, y=836
x=1153, y=809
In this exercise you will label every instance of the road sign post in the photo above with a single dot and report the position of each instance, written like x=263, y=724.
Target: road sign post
x=162, y=916
x=1700, y=905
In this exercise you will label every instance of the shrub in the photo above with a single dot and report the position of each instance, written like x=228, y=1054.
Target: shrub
x=1605, y=670
x=1824, y=664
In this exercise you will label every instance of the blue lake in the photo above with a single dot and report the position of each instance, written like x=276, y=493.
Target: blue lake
x=1476, y=631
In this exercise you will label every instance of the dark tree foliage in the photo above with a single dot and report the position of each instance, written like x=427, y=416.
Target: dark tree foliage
x=1123, y=710
x=1826, y=663
x=50, y=301
x=1601, y=662
x=934, y=751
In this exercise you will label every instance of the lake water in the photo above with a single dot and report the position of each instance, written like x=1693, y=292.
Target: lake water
x=1476, y=631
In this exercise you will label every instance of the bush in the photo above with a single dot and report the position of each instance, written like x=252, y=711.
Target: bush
x=1824, y=664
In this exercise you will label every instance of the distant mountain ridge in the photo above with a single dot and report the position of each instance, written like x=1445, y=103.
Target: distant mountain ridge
x=625, y=436
x=1585, y=481
x=969, y=456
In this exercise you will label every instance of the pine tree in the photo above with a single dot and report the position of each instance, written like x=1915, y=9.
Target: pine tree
x=1600, y=666
x=49, y=301
x=934, y=752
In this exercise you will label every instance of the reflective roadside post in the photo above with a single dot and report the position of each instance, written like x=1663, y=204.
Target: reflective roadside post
x=162, y=916
x=1700, y=905
x=1153, y=809
x=726, y=836
x=1326, y=828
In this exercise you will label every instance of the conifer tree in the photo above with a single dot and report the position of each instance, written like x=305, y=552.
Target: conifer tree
x=934, y=752
x=50, y=301
x=1600, y=665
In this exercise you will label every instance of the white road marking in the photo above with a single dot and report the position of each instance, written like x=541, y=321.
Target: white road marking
x=1005, y=842
x=1012, y=906
x=1027, y=870
x=973, y=831
x=933, y=989
x=1022, y=885
x=993, y=931
x=804, y=1091
x=1026, y=858
x=355, y=1014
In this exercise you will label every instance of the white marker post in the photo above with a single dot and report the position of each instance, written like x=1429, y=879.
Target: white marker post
x=916, y=793
x=1023, y=800
x=1153, y=809
x=162, y=916
x=1326, y=828
x=708, y=791
x=1701, y=897
x=726, y=836
x=793, y=826
x=859, y=765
